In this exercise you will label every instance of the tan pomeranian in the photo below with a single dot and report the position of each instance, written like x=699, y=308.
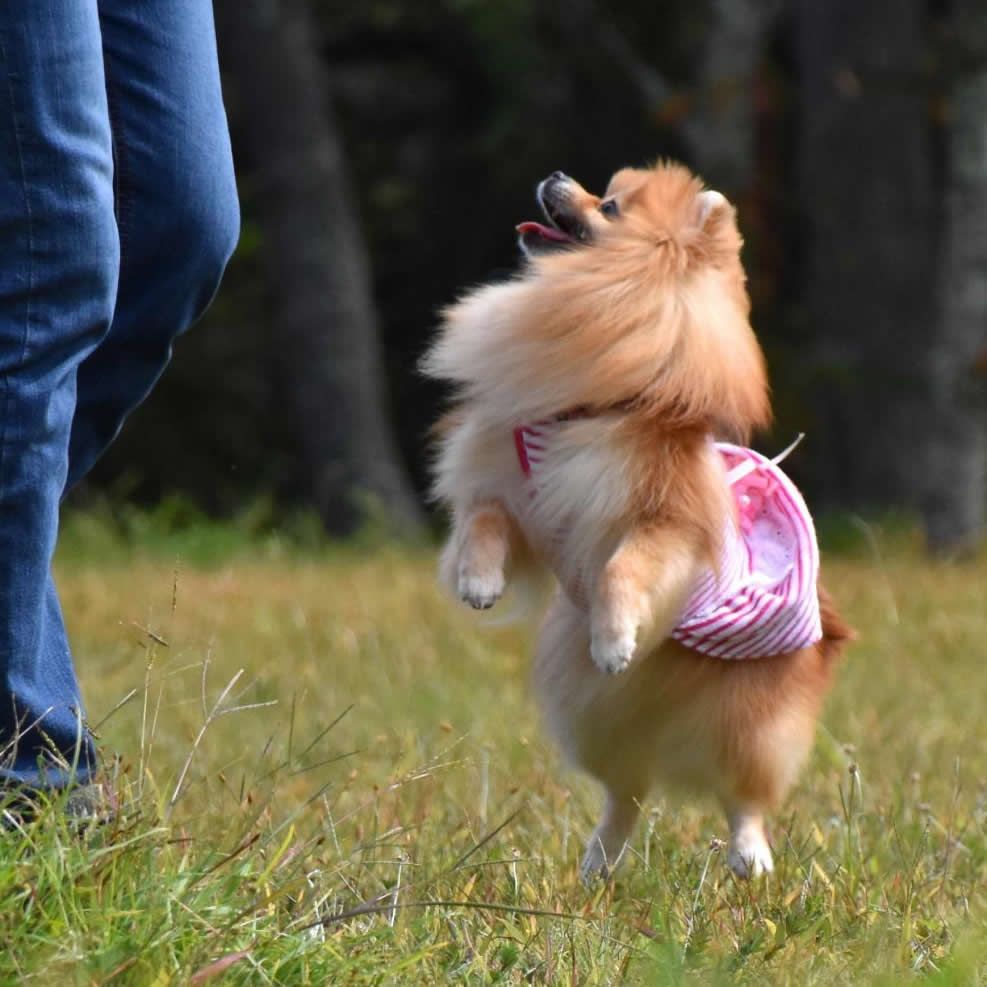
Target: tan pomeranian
x=688, y=643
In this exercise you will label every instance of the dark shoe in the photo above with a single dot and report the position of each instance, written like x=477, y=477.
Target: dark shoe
x=93, y=804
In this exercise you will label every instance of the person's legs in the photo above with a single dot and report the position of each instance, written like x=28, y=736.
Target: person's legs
x=177, y=207
x=178, y=219
x=58, y=283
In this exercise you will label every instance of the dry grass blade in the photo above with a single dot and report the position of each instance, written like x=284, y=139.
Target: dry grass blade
x=481, y=906
x=217, y=967
x=212, y=715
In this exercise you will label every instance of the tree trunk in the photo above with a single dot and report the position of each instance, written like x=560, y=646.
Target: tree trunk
x=326, y=340
x=721, y=130
x=869, y=204
x=955, y=462
x=718, y=122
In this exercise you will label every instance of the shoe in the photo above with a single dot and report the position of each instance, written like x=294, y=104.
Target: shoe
x=92, y=804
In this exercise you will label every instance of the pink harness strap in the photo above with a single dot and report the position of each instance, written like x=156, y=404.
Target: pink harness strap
x=529, y=442
x=763, y=599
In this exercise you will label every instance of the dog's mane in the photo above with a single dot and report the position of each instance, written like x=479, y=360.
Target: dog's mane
x=655, y=315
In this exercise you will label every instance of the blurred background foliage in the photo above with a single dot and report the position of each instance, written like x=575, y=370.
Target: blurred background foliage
x=386, y=149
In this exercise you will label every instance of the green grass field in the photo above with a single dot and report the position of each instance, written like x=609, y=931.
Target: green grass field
x=331, y=774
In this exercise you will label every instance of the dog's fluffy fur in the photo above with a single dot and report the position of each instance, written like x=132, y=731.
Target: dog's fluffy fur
x=635, y=337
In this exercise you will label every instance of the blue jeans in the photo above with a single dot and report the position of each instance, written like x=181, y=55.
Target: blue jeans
x=118, y=214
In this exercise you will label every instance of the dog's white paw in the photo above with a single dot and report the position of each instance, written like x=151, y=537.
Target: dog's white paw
x=481, y=590
x=749, y=855
x=613, y=647
x=598, y=865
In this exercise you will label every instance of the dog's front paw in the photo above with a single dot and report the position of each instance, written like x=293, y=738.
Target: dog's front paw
x=597, y=865
x=613, y=647
x=481, y=590
x=594, y=868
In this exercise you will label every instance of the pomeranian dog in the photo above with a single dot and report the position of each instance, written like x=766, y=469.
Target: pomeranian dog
x=688, y=642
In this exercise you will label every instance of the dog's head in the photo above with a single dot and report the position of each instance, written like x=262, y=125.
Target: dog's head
x=571, y=214
x=637, y=202
x=635, y=298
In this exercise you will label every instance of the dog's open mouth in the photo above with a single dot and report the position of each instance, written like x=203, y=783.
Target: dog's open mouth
x=563, y=227
x=532, y=231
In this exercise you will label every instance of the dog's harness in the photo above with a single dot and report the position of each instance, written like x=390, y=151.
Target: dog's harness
x=762, y=600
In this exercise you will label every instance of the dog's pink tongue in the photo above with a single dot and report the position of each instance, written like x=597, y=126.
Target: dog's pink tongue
x=547, y=232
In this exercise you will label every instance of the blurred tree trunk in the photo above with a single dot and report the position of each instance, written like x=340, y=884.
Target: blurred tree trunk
x=718, y=110
x=326, y=341
x=721, y=131
x=869, y=206
x=955, y=461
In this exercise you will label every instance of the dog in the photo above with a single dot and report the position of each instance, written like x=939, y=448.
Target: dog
x=598, y=397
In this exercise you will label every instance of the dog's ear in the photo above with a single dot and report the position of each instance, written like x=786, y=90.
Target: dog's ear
x=715, y=238
x=709, y=204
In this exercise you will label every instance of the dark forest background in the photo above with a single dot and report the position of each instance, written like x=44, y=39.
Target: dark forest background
x=386, y=149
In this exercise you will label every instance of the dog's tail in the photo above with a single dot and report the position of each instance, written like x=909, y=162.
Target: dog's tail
x=837, y=633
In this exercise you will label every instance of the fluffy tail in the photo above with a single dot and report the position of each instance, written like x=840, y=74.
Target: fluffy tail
x=836, y=632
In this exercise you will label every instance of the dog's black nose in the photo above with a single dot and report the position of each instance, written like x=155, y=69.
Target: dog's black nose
x=558, y=175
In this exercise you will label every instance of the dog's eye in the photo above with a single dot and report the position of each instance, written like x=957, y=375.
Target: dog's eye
x=609, y=208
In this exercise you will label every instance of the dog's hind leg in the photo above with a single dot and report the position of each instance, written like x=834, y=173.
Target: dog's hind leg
x=749, y=854
x=609, y=840
x=764, y=741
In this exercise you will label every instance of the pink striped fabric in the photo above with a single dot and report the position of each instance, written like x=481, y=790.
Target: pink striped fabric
x=762, y=600
x=529, y=442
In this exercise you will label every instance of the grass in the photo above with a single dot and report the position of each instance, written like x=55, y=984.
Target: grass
x=330, y=774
